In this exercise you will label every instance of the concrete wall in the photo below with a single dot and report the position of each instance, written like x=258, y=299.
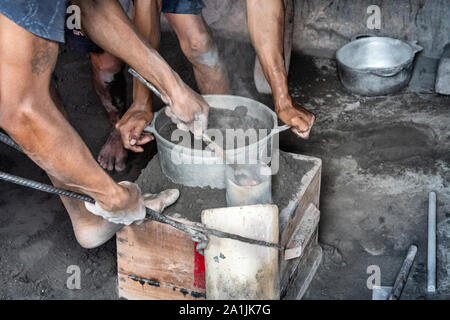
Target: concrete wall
x=323, y=26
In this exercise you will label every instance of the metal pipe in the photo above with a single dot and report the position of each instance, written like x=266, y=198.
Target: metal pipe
x=431, y=259
x=403, y=274
x=43, y=187
x=147, y=83
x=198, y=232
x=10, y=142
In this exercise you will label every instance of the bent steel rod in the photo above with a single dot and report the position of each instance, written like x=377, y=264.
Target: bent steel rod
x=198, y=231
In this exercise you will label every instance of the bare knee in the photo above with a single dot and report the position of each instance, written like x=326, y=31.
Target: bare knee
x=16, y=112
x=200, y=48
x=87, y=240
x=91, y=237
x=105, y=66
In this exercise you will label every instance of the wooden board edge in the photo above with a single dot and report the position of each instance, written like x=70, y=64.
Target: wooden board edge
x=133, y=288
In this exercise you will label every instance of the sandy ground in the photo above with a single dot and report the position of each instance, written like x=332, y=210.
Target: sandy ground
x=381, y=157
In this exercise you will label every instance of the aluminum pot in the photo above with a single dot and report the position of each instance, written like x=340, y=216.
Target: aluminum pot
x=193, y=168
x=375, y=66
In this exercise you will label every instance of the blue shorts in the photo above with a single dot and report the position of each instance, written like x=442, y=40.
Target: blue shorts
x=182, y=6
x=44, y=18
x=81, y=43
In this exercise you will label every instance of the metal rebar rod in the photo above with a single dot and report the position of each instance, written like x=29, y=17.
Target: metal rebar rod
x=43, y=187
x=221, y=234
x=199, y=232
x=10, y=142
x=147, y=83
x=431, y=257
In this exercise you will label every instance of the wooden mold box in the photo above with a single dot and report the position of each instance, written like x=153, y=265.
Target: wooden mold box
x=158, y=262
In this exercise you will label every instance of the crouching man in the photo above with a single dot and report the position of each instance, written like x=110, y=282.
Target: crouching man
x=32, y=114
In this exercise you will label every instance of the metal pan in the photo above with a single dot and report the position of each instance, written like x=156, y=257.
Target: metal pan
x=374, y=66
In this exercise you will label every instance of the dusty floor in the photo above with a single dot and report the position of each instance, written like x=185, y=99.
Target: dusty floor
x=381, y=157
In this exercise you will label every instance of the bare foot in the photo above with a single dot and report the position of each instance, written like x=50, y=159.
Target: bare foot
x=158, y=202
x=113, y=155
x=299, y=118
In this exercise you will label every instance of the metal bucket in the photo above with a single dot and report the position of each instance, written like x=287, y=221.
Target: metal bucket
x=195, y=168
x=248, y=185
x=375, y=66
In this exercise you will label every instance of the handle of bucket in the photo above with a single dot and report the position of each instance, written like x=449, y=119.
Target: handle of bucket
x=386, y=73
x=274, y=131
x=362, y=35
x=152, y=126
x=414, y=46
x=281, y=129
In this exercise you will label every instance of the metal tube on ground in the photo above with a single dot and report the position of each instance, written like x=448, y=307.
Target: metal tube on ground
x=403, y=274
x=431, y=257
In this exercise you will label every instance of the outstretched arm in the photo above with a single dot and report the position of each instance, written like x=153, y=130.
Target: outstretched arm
x=266, y=27
x=147, y=20
x=32, y=114
x=29, y=114
x=106, y=24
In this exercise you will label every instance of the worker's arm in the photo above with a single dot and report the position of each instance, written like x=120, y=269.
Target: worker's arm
x=107, y=24
x=266, y=27
x=146, y=17
x=29, y=114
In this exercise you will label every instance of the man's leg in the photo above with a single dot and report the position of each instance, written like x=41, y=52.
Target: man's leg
x=200, y=49
x=110, y=85
x=91, y=231
x=29, y=113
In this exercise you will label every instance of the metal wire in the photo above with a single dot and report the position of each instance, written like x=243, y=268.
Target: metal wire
x=199, y=232
x=43, y=187
x=10, y=142
x=34, y=184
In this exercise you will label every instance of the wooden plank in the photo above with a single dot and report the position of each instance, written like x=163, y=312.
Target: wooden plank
x=308, y=193
x=156, y=261
x=308, y=196
x=155, y=253
x=302, y=233
x=136, y=289
x=296, y=274
x=305, y=273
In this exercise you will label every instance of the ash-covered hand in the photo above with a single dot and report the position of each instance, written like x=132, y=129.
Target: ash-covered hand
x=300, y=119
x=134, y=208
x=131, y=127
x=189, y=112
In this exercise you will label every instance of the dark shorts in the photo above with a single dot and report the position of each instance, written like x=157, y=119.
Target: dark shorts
x=44, y=18
x=182, y=6
x=81, y=43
